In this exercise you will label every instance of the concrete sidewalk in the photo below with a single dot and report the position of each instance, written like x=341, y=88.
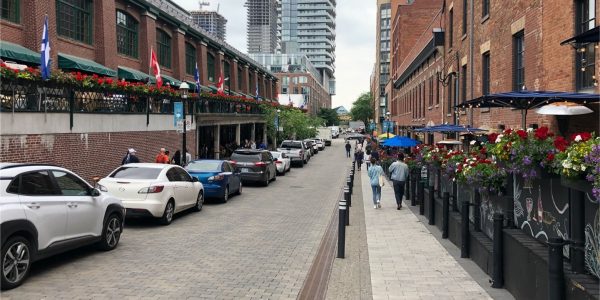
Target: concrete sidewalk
x=406, y=260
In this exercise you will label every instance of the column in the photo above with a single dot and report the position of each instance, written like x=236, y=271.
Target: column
x=233, y=75
x=217, y=144
x=253, y=134
x=147, y=30
x=179, y=54
x=202, y=63
x=238, y=134
x=104, y=26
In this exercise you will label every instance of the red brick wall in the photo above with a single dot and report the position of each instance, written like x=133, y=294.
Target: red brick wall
x=91, y=154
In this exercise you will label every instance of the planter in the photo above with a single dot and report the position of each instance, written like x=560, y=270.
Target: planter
x=577, y=184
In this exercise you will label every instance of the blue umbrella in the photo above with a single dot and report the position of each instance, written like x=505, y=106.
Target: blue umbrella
x=401, y=141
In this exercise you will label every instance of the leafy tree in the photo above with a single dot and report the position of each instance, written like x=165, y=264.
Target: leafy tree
x=362, y=110
x=330, y=116
x=296, y=124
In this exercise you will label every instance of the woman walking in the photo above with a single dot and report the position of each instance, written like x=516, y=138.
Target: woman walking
x=375, y=178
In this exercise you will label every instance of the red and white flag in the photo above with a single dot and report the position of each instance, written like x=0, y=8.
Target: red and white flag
x=155, y=67
x=220, y=85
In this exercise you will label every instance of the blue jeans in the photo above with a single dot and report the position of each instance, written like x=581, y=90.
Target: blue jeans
x=376, y=193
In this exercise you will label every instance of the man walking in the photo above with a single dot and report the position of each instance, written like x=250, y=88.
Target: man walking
x=130, y=157
x=398, y=173
x=162, y=157
x=348, y=148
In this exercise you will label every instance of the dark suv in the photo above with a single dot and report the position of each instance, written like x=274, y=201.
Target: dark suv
x=255, y=165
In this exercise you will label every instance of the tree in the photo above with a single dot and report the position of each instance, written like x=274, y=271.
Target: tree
x=362, y=110
x=296, y=124
x=330, y=116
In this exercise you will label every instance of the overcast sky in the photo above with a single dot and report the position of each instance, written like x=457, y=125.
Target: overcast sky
x=355, y=41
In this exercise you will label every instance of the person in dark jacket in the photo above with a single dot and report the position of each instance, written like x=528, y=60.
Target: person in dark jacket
x=375, y=154
x=358, y=157
x=348, y=147
x=130, y=157
x=176, y=160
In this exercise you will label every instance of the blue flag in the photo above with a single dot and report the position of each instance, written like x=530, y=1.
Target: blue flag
x=45, y=48
x=197, y=78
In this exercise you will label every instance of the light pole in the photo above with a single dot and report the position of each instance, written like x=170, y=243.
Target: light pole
x=387, y=127
x=184, y=94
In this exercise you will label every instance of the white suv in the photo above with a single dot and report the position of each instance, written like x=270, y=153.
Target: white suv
x=46, y=210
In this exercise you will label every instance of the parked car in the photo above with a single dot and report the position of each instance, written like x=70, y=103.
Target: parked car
x=325, y=134
x=255, y=165
x=356, y=136
x=154, y=190
x=296, y=151
x=218, y=177
x=47, y=210
x=320, y=144
x=282, y=162
x=312, y=145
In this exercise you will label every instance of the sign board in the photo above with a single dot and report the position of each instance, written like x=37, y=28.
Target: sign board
x=177, y=113
x=280, y=128
x=188, y=125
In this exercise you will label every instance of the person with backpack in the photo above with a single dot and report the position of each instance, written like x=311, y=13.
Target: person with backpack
x=130, y=157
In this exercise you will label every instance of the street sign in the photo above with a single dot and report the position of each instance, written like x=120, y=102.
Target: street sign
x=280, y=128
x=177, y=113
x=188, y=125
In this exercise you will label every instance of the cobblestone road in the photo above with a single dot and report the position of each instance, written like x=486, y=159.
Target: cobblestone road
x=258, y=245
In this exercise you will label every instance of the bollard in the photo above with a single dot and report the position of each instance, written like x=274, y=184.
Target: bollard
x=407, y=188
x=431, y=207
x=454, y=196
x=497, y=253
x=349, y=184
x=477, y=211
x=353, y=165
x=464, y=243
x=347, y=196
x=352, y=177
x=413, y=187
x=421, y=194
x=445, y=214
x=556, y=273
x=342, y=230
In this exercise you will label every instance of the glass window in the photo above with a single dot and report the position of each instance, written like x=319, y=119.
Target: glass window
x=585, y=56
x=172, y=175
x=10, y=11
x=485, y=74
x=163, y=48
x=239, y=79
x=136, y=173
x=463, y=83
x=518, y=61
x=485, y=8
x=127, y=35
x=13, y=187
x=74, y=19
x=190, y=59
x=464, y=17
x=210, y=62
x=450, y=27
x=182, y=174
x=70, y=185
x=37, y=184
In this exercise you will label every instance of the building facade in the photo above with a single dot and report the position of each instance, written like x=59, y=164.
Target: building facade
x=461, y=52
x=211, y=21
x=262, y=26
x=381, y=74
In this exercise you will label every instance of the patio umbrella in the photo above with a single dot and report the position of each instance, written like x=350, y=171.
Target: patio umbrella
x=563, y=109
x=386, y=135
x=401, y=141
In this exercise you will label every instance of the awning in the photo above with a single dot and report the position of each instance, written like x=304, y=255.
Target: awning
x=10, y=51
x=172, y=81
x=213, y=88
x=132, y=74
x=77, y=63
x=590, y=36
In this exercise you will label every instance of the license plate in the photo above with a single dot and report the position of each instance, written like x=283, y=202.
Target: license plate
x=245, y=170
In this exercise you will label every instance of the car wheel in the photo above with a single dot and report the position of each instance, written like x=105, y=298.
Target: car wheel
x=267, y=180
x=199, y=201
x=225, y=195
x=167, y=217
x=16, y=262
x=239, y=191
x=111, y=233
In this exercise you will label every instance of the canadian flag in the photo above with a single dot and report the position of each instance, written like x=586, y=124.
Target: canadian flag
x=155, y=67
x=220, y=85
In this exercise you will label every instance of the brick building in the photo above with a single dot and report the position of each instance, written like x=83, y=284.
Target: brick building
x=446, y=53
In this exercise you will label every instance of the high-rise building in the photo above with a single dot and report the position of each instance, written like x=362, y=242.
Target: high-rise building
x=382, y=65
x=211, y=21
x=308, y=27
x=262, y=26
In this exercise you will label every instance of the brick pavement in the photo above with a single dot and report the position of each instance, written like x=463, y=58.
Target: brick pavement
x=406, y=261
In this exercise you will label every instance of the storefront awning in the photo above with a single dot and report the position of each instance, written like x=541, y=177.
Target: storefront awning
x=70, y=62
x=14, y=52
x=172, y=81
x=132, y=74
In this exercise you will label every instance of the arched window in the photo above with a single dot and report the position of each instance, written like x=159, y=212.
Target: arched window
x=163, y=48
x=190, y=59
x=74, y=19
x=127, y=35
x=210, y=63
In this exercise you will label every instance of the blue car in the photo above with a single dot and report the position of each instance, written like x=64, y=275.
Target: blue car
x=219, y=178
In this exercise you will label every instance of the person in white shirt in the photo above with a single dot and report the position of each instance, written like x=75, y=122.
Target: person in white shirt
x=398, y=174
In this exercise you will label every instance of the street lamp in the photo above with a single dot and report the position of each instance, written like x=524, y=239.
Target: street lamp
x=184, y=94
x=387, y=127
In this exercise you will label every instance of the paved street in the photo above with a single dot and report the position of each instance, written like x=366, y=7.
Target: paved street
x=258, y=245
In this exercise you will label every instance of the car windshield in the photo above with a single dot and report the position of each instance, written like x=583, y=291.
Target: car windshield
x=245, y=157
x=136, y=173
x=291, y=145
x=204, y=166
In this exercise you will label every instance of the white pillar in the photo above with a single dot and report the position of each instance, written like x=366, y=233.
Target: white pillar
x=238, y=134
x=253, y=134
x=216, y=146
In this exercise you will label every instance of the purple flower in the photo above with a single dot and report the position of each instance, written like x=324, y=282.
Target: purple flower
x=526, y=160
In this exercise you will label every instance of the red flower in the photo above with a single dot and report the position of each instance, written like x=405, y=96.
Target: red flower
x=483, y=150
x=561, y=144
x=584, y=136
x=108, y=81
x=522, y=133
x=508, y=131
x=550, y=157
x=492, y=138
x=541, y=133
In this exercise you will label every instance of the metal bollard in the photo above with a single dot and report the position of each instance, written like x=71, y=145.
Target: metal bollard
x=349, y=183
x=497, y=253
x=421, y=193
x=348, y=196
x=445, y=214
x=464, y=243
x=431, y=207
x=556, y=272
x=454, y=197
x=477, y=211
x=342, y=230
x=407, y=188
x=353, y=165
x=352, y=177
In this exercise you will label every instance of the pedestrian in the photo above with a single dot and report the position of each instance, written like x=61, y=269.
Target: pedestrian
x=398, y=174
x=176, y=160
x=130, y=157
x=358, y=157
x=348, y=148
x=252, y=145
x=168, y=155
x=162, y=158
x=188, y=156
x=262, y=145
x=376, y=180
x=375, y=154
x=367, y=160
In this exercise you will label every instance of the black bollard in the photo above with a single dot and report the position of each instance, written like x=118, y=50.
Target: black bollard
x=556, y=273
x=349, y=184
x=438, y=182
x=454, y=196
x=445, y=214
x=342, y=230
x=497, y=253
x=431, y=207
x=477, y=211
x=352, y=177
x=347, y=196
x=464, y=243
x=421, y=193
x=413, y=186
x=353, y=165
x=407, y=188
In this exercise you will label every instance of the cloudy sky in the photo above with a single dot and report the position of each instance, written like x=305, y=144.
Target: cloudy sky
x=355, y=41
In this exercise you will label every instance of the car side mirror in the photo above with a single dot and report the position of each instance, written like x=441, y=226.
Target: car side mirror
x=95, y=193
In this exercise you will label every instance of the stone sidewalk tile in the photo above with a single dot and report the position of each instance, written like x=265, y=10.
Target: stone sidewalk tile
x=406, y=261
